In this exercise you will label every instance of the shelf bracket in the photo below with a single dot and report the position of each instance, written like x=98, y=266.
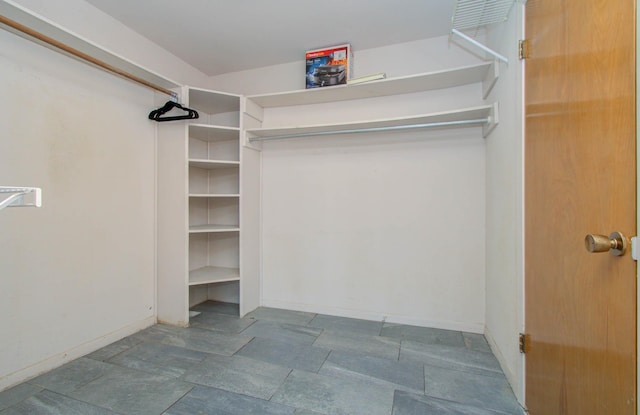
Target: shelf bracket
x=16, y=196
x=480, y=45
x=492, y=121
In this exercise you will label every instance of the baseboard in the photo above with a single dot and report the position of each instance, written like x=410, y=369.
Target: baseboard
x=512, y=378
x=375, y=316
x=59, y=359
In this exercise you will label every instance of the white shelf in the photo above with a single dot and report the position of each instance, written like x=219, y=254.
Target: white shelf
x=213, y=228
x=212, y=275
x=486, y=72
x=212, y=133
x=485, y=116
x=230, y=195
x=213, y=164
x=213, y=102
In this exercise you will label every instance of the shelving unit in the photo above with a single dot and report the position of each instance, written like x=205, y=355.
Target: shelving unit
x=199, y=205
x=259, y=128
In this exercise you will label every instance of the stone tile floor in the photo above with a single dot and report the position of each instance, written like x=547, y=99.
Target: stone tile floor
x=275, y=362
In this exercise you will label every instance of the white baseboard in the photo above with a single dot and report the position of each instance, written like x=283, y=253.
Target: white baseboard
x=375, y=316
x=52, y=362
x=517, y=384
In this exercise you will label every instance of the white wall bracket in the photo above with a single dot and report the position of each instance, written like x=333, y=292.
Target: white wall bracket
x=473, y=14
x=480, y=45
x=16, y=196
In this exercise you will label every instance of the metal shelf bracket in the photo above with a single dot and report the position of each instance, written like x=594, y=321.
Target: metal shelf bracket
x=473, y=14
x=16, y=196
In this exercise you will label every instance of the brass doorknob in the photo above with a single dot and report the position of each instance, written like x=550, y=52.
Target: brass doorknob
x=616, y=243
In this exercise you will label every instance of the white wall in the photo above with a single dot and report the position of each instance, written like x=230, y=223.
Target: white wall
x=387, y=226
x=505, y=245
x=79, y=272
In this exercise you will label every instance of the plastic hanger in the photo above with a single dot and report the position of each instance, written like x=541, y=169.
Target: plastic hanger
x=156, y=114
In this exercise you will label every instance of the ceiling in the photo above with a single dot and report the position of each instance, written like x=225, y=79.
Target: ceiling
x=221, y=36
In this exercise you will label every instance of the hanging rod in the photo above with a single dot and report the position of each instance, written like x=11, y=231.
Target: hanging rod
x=16, y=196
x=375, y=129
x=84, y=56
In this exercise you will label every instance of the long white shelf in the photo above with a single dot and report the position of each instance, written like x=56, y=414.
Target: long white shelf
x=485, y=116
x=212, y=275
x=206, y=132
x=213, y=164
x=213, y=228
x=486, y=72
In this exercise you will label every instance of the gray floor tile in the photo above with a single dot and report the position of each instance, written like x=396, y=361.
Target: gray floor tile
x=300, y=318
x=220, y=322
x=72, y=375
x=132, y=392
x=406, y=403
x=51, y=403
x=360, y=343
x=156, y=333
x=450, y=357
x=206, y=341
x=337, y=369
x=423, y=334
x=218, y=307
x=334, y=396
x=359, y=366
x=159, y=359
x=203, y=400
x=17, y=394
x=287, y=354
x=115, y=348
x=351, y=325
x=477, y=342
x=488, y=392
x=288, y=333
x=239, y=374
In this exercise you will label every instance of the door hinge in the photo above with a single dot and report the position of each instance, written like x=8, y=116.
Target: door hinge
x=523, y=49
x=522, y=341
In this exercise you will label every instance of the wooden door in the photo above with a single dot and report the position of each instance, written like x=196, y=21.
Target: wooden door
x=580, y=149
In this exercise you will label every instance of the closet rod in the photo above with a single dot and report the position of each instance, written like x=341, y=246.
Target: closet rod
x=374, y=129
x=88, y=58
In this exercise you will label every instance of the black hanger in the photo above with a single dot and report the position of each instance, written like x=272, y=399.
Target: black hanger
x=155, y=114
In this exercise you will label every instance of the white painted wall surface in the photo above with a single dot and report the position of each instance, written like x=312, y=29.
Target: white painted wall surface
x=388, y=227
x=505, y=207
x=77, y=273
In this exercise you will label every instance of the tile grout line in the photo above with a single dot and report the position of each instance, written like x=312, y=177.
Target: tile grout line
x=180, y=398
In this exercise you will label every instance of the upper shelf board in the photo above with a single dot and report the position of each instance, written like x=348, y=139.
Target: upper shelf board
x=213, y=102
x=213, y=164
x=486, y=72
x=26, y=17
x=211, y=133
